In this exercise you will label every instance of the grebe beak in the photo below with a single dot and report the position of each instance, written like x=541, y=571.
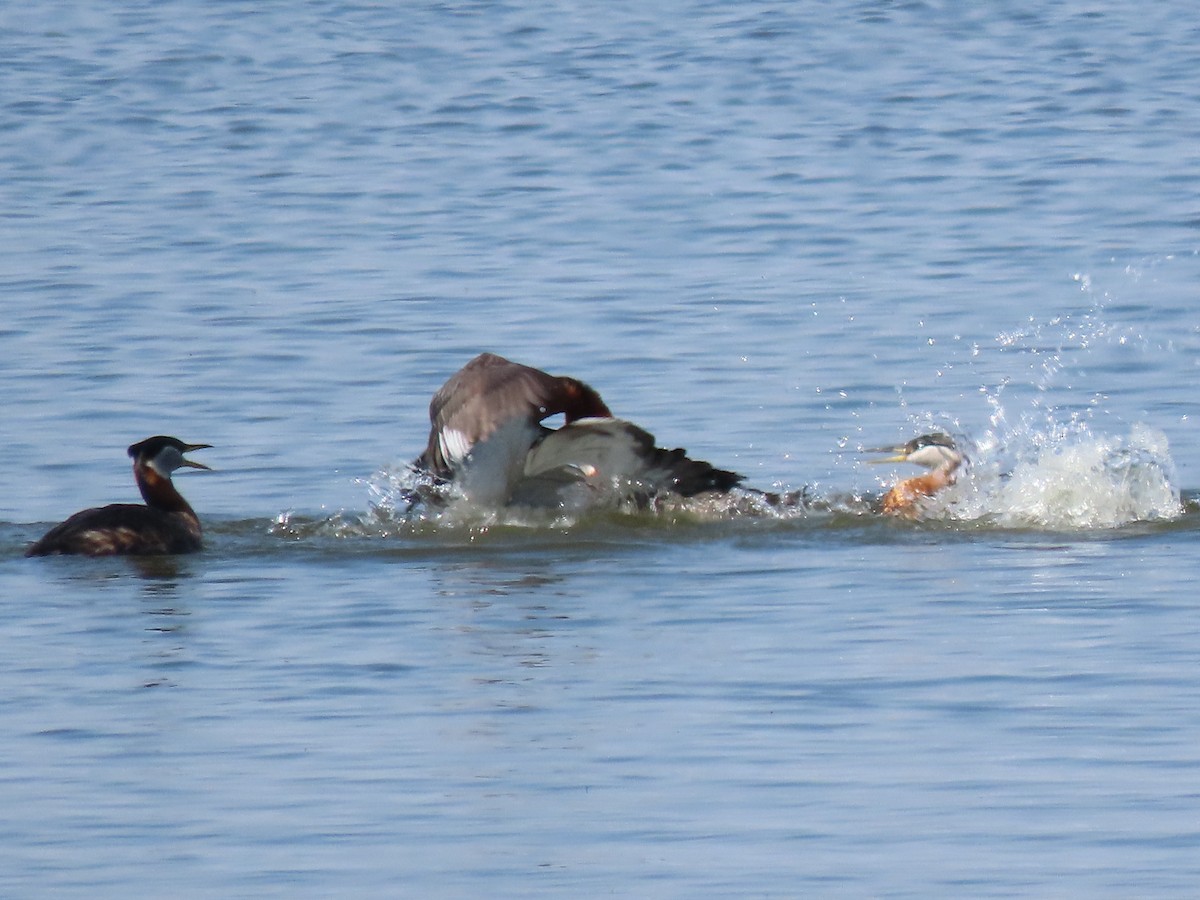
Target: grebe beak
x=191, y=463
x=899, y=454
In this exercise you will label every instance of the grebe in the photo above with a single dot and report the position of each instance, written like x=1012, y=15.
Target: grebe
x=166, y=524
x=936, y=452
x=487, y=437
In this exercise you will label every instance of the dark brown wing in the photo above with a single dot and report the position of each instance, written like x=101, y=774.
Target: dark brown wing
x=120, y=528
x=489, y=392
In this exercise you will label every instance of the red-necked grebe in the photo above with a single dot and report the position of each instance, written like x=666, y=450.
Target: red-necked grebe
x=936, y=452
x=166, y=524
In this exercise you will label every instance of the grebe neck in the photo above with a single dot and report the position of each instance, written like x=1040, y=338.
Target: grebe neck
x=160, y=492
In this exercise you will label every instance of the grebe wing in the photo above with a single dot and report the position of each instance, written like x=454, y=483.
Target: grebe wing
x=489, y=392
x=118, y=528
x=613, y=452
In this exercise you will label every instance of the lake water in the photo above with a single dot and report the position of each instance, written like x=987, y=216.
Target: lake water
x=772, y=233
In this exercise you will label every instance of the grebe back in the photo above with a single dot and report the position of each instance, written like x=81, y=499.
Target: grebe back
x=166, y=524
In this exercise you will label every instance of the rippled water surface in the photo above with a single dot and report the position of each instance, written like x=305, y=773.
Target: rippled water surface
x=770, y=233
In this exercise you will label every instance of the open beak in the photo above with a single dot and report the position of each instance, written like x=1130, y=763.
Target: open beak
x=898, y=454
x=191, y=463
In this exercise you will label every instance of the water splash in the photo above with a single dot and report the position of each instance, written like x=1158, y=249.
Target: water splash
x=1061, y=476
x=1066, y=481
x=1051, y=466
x=403, y=496
x=1099, y=482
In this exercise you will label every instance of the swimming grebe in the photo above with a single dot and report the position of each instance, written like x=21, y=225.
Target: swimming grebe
x=936, y=452
x=166, y=524
x=487, y=437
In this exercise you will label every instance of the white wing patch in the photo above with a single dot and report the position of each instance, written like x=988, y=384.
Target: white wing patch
x=455, y=446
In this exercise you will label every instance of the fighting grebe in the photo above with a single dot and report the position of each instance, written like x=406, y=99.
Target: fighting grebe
x=166, y=524
x=936, y=452
x=487, y=436
x=490, y=394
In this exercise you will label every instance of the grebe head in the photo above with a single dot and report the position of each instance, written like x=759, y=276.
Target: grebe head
x=931, y=451
x=165, y=454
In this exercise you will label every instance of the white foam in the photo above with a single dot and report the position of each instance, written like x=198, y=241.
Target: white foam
x=1082, y=481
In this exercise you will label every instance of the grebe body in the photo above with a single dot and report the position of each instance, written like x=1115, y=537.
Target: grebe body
x=602, y=461
x=487, y=437
x=165, y=524
x=936, y=452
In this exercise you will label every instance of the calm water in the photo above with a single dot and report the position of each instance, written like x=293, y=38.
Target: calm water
x=770, y=233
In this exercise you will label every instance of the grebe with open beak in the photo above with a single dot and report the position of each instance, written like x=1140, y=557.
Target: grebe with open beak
x=486, y=435
x=166, y=524
x=936, y=452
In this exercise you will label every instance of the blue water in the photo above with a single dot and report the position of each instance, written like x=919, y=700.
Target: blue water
x=774, y=234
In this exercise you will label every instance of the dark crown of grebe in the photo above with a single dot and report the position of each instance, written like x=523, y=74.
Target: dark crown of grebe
x=166, y=454
x=936, y=439
x=165, y=524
